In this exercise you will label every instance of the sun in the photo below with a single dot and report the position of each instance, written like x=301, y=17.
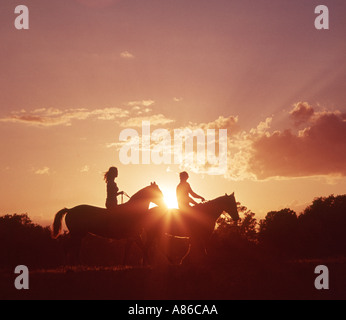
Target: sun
x=170, y=198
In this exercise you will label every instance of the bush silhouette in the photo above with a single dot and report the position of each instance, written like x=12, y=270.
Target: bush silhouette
x=231, y=241
x=23, y=242
x=322, y=227
x=317, y=232
x=277, y=231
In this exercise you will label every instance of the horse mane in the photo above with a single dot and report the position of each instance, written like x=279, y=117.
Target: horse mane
x=210, y=205
x=138, y=193
x=209, y=202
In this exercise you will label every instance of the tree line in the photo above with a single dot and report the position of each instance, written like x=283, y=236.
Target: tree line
x=317, y=232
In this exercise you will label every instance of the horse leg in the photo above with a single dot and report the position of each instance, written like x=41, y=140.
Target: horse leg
x=75, y=244
x=154, y=247
x=146, y=258
x=195, y=254
x=140, y=244
x=128, y=246
x=149, y=248
x=186, y=258
x=162, y=249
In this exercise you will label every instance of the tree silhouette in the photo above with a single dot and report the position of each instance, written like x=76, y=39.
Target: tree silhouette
x=278, y=231
x=23, y=242
x=231, y=241
x=318, y=232
x=322, y=226
x=248, y=224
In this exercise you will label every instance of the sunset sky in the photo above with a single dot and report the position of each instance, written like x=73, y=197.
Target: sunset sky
x=87, y=69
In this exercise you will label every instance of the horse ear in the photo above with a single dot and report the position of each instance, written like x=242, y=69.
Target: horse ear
x=232, y=194
x=226, y=194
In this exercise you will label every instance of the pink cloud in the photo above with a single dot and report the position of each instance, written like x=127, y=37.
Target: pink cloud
x=301, y=112
x=319, y=149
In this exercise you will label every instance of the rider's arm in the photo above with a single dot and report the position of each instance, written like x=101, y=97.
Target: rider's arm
x=192, y=201
x=195, y=195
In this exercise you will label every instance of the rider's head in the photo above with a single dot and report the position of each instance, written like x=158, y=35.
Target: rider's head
x=111, y=174
x=183, y=176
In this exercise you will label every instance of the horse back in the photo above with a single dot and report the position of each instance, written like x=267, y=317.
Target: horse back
x=85, y=219
x=80, y=218
x=179, y=223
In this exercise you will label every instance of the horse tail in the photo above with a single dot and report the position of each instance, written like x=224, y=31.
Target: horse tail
x=57, y=224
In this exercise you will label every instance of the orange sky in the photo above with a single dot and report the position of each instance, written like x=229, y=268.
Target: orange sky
x=85, y=70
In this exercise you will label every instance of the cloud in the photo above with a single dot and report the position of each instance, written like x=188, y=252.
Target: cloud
x=141, y=107
x=141, y=103
x=54, y=117
x=301, y=113
x=312, y=143
x=43, y=171
x=230, y=123
x=155, y=120
x=237, y=148
x=49, y=117
x=85, y=169
x=318, y=149
x=110, y=113
x=127, y=55
x=204, y=163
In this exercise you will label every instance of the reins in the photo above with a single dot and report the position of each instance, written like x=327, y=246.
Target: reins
x=122, y=196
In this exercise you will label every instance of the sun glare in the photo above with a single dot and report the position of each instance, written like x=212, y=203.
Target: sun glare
x=170, y=198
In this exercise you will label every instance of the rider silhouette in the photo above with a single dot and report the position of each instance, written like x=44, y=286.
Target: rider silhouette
x=112, y=188
x=183, y=193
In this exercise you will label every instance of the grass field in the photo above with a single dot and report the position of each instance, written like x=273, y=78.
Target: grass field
x=237, y=280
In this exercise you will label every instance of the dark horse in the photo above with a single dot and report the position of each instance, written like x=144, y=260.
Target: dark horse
x=124, y=222
x=197, y=224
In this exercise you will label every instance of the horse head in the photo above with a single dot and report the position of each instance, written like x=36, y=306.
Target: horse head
x=156, y=195
x=151, y=193
x=231, y=206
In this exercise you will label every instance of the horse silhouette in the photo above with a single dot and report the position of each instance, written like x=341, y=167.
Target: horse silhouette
x=198, y=224
x=126, y=221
